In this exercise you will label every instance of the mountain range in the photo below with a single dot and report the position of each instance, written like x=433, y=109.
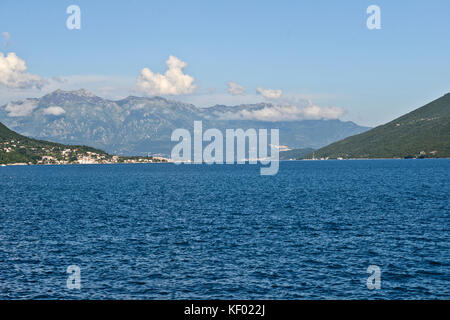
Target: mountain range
x=422, y=133
x=142, y=125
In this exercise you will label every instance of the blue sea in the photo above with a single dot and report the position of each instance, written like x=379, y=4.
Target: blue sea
x=165, y=231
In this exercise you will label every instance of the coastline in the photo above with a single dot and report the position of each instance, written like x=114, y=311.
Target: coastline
x=77, y=164
x=171, y=162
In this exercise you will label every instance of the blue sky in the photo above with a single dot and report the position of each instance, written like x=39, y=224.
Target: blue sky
x=319, y=50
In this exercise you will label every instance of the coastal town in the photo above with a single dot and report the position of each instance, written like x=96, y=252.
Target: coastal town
x=17, y=152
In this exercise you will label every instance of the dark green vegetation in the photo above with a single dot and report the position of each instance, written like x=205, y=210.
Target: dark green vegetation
x=18, y=149
x=15, y=148
x=295, y=154
x=422, y=133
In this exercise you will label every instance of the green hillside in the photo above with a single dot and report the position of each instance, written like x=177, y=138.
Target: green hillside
x=15, y=148
x=422, y=133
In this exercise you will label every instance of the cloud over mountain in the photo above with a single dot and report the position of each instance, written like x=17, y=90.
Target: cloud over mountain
x=269, y=93
x=54, y=111
x=21, y=109
x=285, y=112
x=172, y=82
x=13, y=73
x=235, y=89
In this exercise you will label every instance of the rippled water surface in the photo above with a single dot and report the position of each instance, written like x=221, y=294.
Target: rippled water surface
x=162, y=231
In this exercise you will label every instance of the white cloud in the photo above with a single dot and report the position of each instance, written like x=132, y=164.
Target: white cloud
x=172, y=82
x=235, y=89
x=13, y=73
x=54, y=111
x=287, y=112
x=269, y=93
x=21, y=109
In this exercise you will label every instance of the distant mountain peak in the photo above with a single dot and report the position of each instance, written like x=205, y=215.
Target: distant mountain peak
x=84, y=92
x=136, y=99
x=61, y=96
